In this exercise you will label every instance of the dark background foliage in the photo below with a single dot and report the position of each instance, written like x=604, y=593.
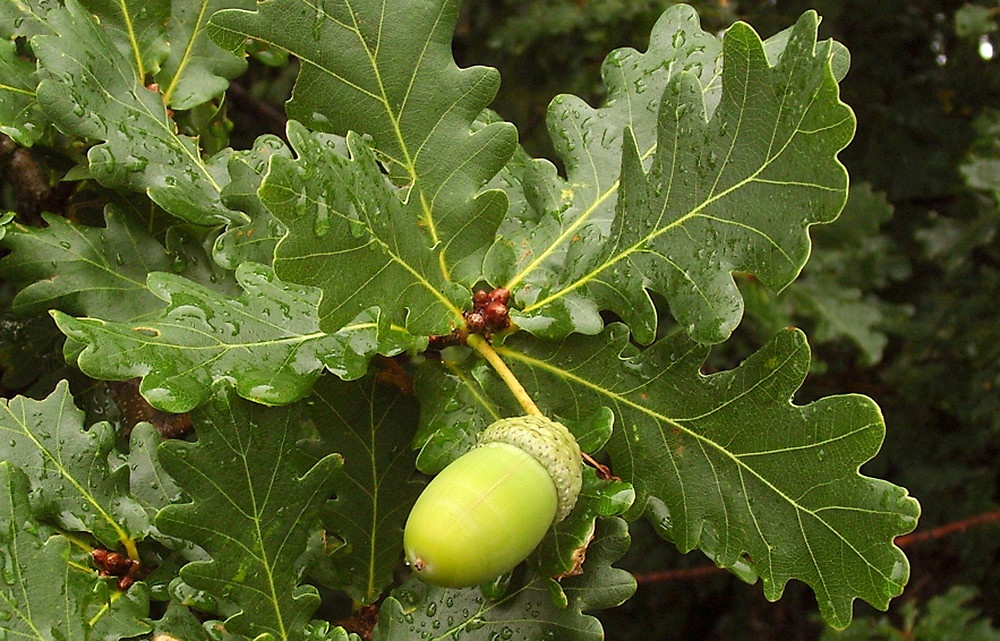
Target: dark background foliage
x=900, y=302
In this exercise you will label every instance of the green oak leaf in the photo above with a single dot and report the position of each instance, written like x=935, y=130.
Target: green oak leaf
x=364, y=69
x=834, y=295
x=565, y=545
x=453, y=411
x=350, y=235
x=728, y=464
x=255, y=240
x=525, y=611
x=72, y=481
x=136, y=27
x=20, y=117
x=249, y=512
x=29, y=605
x=726, y=181
x=196, y=70
x=24, y=18
x=47, y=589
x=323, y=631
x=179, y=622
x=115, y=615
x=93, y=90
x=267, y=341
x=369, y=425
x=565, y=549
x=589, y=142
x=149, y=482
x=86, y=270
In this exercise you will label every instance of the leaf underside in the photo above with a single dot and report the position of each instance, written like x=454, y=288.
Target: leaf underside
x=726, y=463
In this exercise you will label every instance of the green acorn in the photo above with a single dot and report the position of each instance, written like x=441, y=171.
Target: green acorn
x=486, y=511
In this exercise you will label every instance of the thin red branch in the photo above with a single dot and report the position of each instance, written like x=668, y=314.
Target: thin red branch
x=682, y=574
x=948, y=529
x=687, y=574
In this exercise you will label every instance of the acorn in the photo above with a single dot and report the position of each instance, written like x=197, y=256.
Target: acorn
x=486, y=511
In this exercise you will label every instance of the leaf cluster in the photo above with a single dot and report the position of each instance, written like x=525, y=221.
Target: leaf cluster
x=290, y=301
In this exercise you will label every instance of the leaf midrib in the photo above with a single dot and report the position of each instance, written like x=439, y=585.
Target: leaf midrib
x=679, y=425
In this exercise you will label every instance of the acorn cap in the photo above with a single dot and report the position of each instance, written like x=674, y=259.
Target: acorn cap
x=549, y=443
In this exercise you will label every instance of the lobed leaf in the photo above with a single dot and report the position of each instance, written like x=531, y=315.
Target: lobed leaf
x=565, y=549
x=350, y=235
x=368, y=424
x=727, y=464
x=93, y=90
x=47, y=590
x=149, y=482
x=453, y=411
x=248, y=512
x=72, y=482
x=724, y=182
x=364, y=69
x=267, y=342
x=589, y=142
x=86, y=270
x=20, y=117
x=24, y=18
x=836, y=293
x=196, y=69
x=136, y=27
x=253, y=241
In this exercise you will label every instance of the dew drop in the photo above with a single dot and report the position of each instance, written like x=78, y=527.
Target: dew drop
x=321, y=223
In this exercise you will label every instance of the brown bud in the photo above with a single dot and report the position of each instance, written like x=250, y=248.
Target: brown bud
x=480, y=299
x=117, y=564
x=500, y=295
x=125, y=582
x=475, y=322
x=495, y=315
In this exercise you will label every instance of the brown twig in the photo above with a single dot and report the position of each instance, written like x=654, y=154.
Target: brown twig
x=681, y=574
x=135, y=408
x=940, y=532
x=30, y=182
x=948, y=529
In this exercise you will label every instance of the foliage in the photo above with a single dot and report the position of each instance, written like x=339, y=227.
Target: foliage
x=306, y=301
x=949, y=616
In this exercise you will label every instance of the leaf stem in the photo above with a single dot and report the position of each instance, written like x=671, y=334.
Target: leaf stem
x=483, y=346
